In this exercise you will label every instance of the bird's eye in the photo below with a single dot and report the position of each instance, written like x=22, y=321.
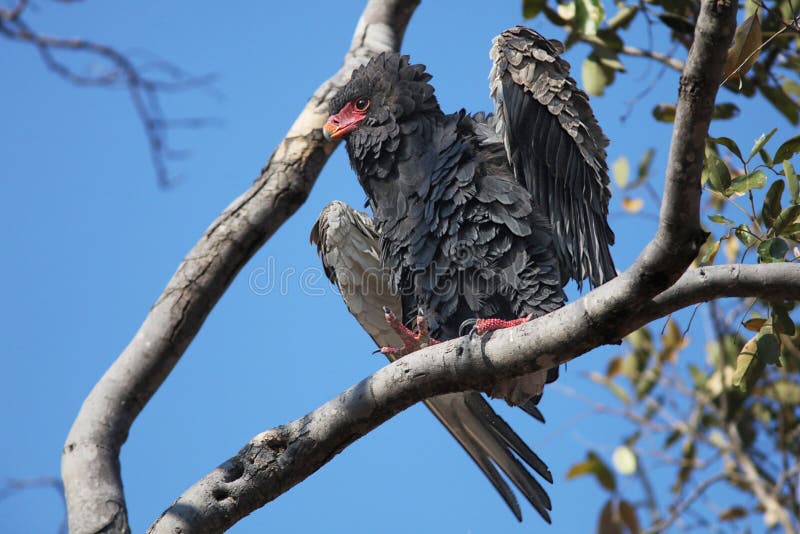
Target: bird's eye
x=362, y=103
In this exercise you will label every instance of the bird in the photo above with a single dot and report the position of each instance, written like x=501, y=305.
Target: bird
x=349, y=247
x=480, y=218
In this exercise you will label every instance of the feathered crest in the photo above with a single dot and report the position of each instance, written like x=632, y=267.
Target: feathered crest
x=390, y=80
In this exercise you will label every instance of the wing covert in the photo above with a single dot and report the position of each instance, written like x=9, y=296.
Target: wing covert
x=556, y=148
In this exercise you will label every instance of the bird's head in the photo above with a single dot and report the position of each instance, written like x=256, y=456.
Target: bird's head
x=378, y=96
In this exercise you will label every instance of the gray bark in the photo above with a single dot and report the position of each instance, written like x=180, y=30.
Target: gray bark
x=90, y=460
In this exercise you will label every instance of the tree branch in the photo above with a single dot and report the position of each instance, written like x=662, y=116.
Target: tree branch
x=274, y=461
x=670, y=62
x=90, y=462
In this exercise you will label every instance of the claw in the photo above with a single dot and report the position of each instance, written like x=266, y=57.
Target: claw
x=412, y=342
x=483, y=326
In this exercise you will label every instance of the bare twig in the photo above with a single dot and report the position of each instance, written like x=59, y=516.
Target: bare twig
x=772, y=507
x=678, y=510
x=668, y=61
x=144, y=91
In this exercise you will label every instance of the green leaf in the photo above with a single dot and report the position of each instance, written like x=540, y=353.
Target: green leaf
x=744, y=51
x=715, y=172
x=595, y=76
x=609, y=521
x=677, y=23
x=531, y=8
x=781, y=101
x=588, y=16
x=624, y=460
x=745, y=235
x=643, y=170
x=733, y=513
x=781, y=321
x=621, y=171
x=760, y=142
x=791, y=179
x=628, y=515
x=699, y=379
x=728, y=143
x=687, y=465
x=725, y=111
x=608, y=38
x=788, y=149
x=595, y=466
x=772, y=203
x=787, y=216
x=664, y=112
x=768, y=348
x=720, y=219
x=743, y=184
x=765, y=157
x=772, y=250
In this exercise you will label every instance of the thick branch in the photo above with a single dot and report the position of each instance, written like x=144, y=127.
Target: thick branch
x=90, y=461
x=274, y=461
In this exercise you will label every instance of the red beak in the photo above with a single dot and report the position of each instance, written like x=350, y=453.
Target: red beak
x=343, y=122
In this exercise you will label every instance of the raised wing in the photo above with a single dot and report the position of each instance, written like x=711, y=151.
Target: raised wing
x=350, y=251
x=555, y=147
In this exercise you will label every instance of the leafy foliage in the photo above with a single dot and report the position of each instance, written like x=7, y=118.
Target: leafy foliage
x=763, y=60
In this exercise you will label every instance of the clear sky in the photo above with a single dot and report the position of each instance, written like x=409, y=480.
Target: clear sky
x=90, y=241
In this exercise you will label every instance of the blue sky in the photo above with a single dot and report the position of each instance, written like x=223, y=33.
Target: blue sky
x=91, y=240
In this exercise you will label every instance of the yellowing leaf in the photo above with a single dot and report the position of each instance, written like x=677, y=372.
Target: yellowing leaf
x=624, y=460
x=594, y=465
x=566, y=11
x=614, y=367
x=745, y=49
x=731, y=249
x=595, y=76
x=621, y=170
x=632, y=205
x=746, y=363
x=754, y=324
x=664, y=112
x=711, y=254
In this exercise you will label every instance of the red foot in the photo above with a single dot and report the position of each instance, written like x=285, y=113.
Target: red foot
x=488, y=325
x=412, y=342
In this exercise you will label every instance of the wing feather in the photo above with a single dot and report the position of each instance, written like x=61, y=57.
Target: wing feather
x=556, y=148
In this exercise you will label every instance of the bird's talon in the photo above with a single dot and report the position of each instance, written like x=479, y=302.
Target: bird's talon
x=412, y=341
